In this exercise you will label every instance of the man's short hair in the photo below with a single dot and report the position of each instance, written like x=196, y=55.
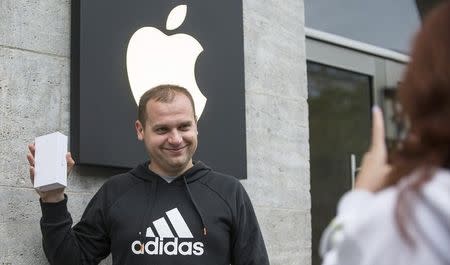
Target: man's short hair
x=161, y=93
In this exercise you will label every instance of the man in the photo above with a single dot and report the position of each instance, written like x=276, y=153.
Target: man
x=169, y=210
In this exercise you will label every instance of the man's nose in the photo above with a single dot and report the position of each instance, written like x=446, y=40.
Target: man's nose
x=175, y=137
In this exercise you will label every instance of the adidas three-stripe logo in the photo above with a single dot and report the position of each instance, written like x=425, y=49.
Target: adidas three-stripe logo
x=163, y=229
x=166, y=243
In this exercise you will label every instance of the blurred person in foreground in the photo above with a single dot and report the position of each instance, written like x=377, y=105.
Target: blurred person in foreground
x=399, y=213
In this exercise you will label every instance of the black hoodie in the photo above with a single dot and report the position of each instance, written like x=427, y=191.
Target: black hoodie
x=203, y=217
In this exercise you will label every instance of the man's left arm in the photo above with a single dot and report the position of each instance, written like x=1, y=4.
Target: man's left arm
x=248, y=242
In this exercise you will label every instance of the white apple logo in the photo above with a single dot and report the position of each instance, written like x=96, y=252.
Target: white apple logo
x=154, y=58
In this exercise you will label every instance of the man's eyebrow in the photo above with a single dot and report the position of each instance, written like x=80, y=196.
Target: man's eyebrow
x=156, y=126
x=186, y=123
x=161, y=125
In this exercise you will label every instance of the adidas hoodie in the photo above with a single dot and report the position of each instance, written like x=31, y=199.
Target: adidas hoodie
x=203, y=217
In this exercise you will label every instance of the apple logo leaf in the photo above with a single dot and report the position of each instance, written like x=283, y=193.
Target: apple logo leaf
x=176, y=17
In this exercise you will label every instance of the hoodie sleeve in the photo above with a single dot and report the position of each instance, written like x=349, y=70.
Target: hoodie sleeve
x=248, y=245
x=86, y=243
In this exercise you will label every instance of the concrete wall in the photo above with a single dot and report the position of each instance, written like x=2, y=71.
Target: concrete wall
x=34, y=100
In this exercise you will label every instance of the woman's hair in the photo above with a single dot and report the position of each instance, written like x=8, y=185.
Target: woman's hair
x=424, y=96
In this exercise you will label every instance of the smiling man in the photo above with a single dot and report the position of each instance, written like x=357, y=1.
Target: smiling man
x=168, y=126
x=169, y=210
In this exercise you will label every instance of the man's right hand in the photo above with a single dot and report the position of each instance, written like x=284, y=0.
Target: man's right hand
x=51, y=195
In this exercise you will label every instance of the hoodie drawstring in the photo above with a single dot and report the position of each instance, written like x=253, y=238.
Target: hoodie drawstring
x=195, y=206
x=150, y=206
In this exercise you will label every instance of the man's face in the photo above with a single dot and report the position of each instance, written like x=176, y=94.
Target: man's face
x=170, y=135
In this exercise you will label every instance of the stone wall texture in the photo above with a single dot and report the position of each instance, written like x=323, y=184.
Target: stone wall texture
x=35, y=98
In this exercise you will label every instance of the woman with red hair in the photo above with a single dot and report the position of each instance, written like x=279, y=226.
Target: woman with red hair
x=399, y=213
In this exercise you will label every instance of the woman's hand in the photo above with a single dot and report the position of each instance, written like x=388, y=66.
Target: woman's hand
x=374, y=167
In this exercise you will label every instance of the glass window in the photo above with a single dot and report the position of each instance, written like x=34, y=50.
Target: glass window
x=339, y=123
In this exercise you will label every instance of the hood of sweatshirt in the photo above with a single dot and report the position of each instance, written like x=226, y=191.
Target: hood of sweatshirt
x=196, y=172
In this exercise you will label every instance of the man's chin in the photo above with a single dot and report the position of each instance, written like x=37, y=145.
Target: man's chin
x=179, y=164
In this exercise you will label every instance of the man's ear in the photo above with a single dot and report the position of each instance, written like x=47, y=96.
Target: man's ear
x=196, y=123
x=139, y=130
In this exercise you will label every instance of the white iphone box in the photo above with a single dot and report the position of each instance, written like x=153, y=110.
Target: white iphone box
x=50, y=162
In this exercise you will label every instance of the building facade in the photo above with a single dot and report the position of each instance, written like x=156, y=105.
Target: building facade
x=309, y=88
